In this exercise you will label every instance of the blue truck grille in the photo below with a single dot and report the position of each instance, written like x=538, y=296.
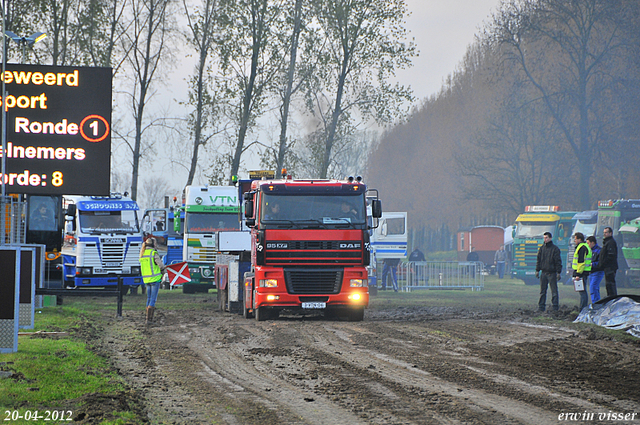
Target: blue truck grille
x=313, y=281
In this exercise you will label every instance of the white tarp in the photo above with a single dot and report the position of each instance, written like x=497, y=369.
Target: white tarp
x=619, y=313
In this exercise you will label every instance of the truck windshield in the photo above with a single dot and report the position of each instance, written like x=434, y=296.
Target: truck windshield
x=587, y=229
x=322, y=209
x=534, y=229
x=607, y=219
x=109, y=222
x=211, y=222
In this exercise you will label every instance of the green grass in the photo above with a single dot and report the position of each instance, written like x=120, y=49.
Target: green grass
x=498, y=294
x=49, y=371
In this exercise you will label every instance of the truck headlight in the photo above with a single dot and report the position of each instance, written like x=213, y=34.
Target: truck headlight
x=135, y=270
x=84, y=270
x=268, y=283
x=358, y=283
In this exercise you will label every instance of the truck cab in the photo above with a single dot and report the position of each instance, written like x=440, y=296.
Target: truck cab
x=528, y=237
x=102, y=241
x=310, y=247
x=388, y=241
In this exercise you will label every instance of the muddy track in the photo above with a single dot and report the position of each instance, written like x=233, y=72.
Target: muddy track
x=440, y=367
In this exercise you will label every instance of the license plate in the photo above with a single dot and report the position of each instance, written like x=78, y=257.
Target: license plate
x=112, y=264
x=314, y=306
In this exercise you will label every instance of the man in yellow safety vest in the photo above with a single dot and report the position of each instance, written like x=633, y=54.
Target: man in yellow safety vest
x=581, y=267
x=152, y=269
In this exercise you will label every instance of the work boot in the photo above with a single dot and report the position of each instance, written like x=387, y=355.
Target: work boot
x=147, y=316
x=151, y=310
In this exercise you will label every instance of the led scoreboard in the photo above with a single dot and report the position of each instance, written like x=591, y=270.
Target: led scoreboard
x=58, y=130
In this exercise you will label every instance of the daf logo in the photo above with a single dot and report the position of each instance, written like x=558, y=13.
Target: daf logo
x=199, y=200
x=350, y=245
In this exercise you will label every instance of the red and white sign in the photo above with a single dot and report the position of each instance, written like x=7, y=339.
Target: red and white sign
x=178, y=273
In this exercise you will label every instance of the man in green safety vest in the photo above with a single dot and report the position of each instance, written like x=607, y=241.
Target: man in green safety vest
x=581, y=268
x=152, y=269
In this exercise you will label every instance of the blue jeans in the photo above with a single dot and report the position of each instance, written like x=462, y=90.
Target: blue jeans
x=385, y=271
x=152, y=293
x=594, y=285
x=500, y=266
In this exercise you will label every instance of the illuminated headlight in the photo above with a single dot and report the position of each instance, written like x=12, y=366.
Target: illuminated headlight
x=273, y=297
x=358, y=283
x=207, y=272
x=355, y=297
x=135, y=270
x=268, y=283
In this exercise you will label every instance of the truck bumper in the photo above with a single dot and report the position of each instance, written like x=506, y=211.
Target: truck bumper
x=356, y=297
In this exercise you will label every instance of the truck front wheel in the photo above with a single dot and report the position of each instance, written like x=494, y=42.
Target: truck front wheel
x=245, y=311
x=356, y=314
x=261, y=314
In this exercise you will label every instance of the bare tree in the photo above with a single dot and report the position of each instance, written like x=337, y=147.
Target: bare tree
x=565, y=49
x=364, y=46
x=251, y=56
x=146, y=42
x=153, y=192
x=514, y=162
x=79, y=32
x=288, y=87
x=202, y=22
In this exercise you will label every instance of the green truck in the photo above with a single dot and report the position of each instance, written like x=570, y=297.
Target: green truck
x=623, y=216
x=528, y=233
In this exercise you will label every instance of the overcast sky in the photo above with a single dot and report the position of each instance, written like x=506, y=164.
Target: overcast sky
x=442, y=30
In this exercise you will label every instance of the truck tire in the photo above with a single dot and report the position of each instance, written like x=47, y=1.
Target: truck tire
x=245, y=311
x=356, y=314
x=223, y=298
x=261, y=314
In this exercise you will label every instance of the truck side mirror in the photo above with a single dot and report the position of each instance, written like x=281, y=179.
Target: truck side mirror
x=71, y=210
x=248, y=209
x=376, y=208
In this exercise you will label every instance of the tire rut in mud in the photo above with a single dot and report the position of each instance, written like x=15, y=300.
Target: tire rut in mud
x=212, y=367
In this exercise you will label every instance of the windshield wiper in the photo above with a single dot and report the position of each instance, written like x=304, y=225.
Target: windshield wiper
x=342, y=222
x=320, y=224
x=280, y=223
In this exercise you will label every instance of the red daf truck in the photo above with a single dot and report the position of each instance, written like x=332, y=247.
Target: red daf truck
x=309, y=247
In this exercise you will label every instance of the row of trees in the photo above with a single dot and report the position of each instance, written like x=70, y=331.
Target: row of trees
x=325, y=62
x=542, y=110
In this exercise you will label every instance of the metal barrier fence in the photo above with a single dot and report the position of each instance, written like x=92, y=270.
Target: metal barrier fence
x=440, y=275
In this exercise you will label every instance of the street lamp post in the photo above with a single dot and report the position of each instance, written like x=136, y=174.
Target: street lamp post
x=24, y=41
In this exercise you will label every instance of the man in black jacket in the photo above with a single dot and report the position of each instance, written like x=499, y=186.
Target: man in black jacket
x=548, y=269
x=608, y=261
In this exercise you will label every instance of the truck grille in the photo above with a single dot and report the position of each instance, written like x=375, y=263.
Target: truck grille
x=203, y=254
x=314, y=252
x=313, y=281
x=526, y=255
x=112, y=254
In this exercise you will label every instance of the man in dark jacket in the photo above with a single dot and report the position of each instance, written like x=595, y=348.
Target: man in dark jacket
x=608, y=261
x=548, y=269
